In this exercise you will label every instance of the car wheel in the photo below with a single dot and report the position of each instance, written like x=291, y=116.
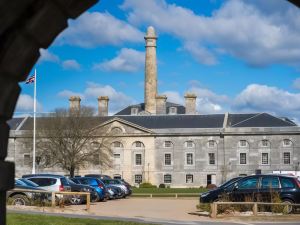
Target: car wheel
x=76, y=200
x=20, y=200
x=95, y=198
x=288, y=208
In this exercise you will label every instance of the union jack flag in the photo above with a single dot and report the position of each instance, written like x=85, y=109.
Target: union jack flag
x=30, y=80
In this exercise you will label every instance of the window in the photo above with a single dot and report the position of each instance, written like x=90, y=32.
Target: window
x=95, y=145
x=189, y=159
x=270, y=182
x=134, y=111
x=211, y=158
x=139, y=144
x=243, y=158
x=138, y=159
x=286, y=158
x=189, y=144
x=249, y=183
x=168, y=160
x=211, y=143
x=286, y=182
x=243, y=143
x=27, y=160
x=117, y=144
x=41, y=181
x=138, y=178
x=172, y=110
x=265, y=158
x=116, y=130
x=265, y=143
x=167, y=178
x=168, y=144
x=287, y=142
x=189, y=178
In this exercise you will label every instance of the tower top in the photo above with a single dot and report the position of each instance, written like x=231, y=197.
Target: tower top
x=150, y=32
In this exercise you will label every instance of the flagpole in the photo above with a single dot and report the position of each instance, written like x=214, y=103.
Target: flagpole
x=34, y=123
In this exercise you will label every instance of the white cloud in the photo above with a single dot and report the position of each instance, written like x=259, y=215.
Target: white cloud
x=127, y=60
x=47, y=56
x=117, y=100
x=174, y=96
x=25, y=104
x=71, y=64
x=296, y=83
x=68, y=94
x=263, y=98
x=96, y=29
x=243, y=29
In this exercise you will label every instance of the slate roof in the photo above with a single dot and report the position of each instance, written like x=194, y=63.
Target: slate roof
x=179, y=121
x=15, y=122
x=141, y=107
x=257, y=120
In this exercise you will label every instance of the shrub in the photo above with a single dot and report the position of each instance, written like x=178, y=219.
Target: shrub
x=275, y=198
x=211, y=186
x=147, y=185
x=162, y=186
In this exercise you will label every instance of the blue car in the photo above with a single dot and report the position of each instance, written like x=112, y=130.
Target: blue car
x=95, y=183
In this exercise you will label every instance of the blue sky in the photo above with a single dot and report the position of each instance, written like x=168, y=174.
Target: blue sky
x=235, y=55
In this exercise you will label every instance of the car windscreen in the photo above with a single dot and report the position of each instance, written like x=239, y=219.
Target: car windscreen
x=29, y=183
x=43, y=181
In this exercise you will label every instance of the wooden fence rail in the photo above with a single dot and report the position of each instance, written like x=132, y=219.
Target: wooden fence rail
x=175, y=195
x=214, y=206
x=54, y=193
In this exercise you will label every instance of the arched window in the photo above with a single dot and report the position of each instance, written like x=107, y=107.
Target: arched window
x=265, y=143
x=116, y=130
x=95, y=145
x=287, y=143
x=168, y=144
x=117, y=144
x=243, y=144
x=138, y=144
x=189, y=144
x=211, y=144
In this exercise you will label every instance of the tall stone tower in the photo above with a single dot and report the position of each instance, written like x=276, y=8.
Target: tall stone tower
x=150, y=71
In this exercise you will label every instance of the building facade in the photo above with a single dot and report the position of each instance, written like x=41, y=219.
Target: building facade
x=166, y=143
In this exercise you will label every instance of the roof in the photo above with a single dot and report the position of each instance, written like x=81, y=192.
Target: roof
x=15, y=122
x=141, y=108
x=178, y=121
x=257, y=120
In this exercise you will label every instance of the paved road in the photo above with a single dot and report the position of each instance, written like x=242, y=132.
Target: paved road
x=157, y=221
x=156, y=211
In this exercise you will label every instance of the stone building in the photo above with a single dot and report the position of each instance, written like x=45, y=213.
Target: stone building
x=163, y=142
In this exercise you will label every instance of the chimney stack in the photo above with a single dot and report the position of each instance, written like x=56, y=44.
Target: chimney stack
x=103, y=105
x=161, y=107
x=190, y=103
x=74, y=103
x=150, y=71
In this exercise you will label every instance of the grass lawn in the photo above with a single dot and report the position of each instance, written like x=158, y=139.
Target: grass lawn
x=168, y=190
x=26, y=219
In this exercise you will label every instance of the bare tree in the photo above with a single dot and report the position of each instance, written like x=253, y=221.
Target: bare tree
x=70, y=140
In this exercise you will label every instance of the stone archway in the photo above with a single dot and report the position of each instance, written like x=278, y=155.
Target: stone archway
x=26, y=26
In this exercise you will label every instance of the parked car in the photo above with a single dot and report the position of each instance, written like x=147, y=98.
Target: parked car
x=118, y=183
x=50, y=182
x=79, y=199
x=97, y=184
x=99, y=176
x=16, y=197
x=258, y=188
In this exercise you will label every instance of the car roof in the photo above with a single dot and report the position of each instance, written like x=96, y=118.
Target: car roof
x=43, y=176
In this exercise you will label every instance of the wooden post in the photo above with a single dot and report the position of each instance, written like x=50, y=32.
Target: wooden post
x=255, y=209
x=176, y=195
x=151, y=196
x=214, y=209
x=53, y=199
x=88, y=201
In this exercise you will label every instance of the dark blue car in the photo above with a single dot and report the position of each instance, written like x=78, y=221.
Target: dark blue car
x=95, y=183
